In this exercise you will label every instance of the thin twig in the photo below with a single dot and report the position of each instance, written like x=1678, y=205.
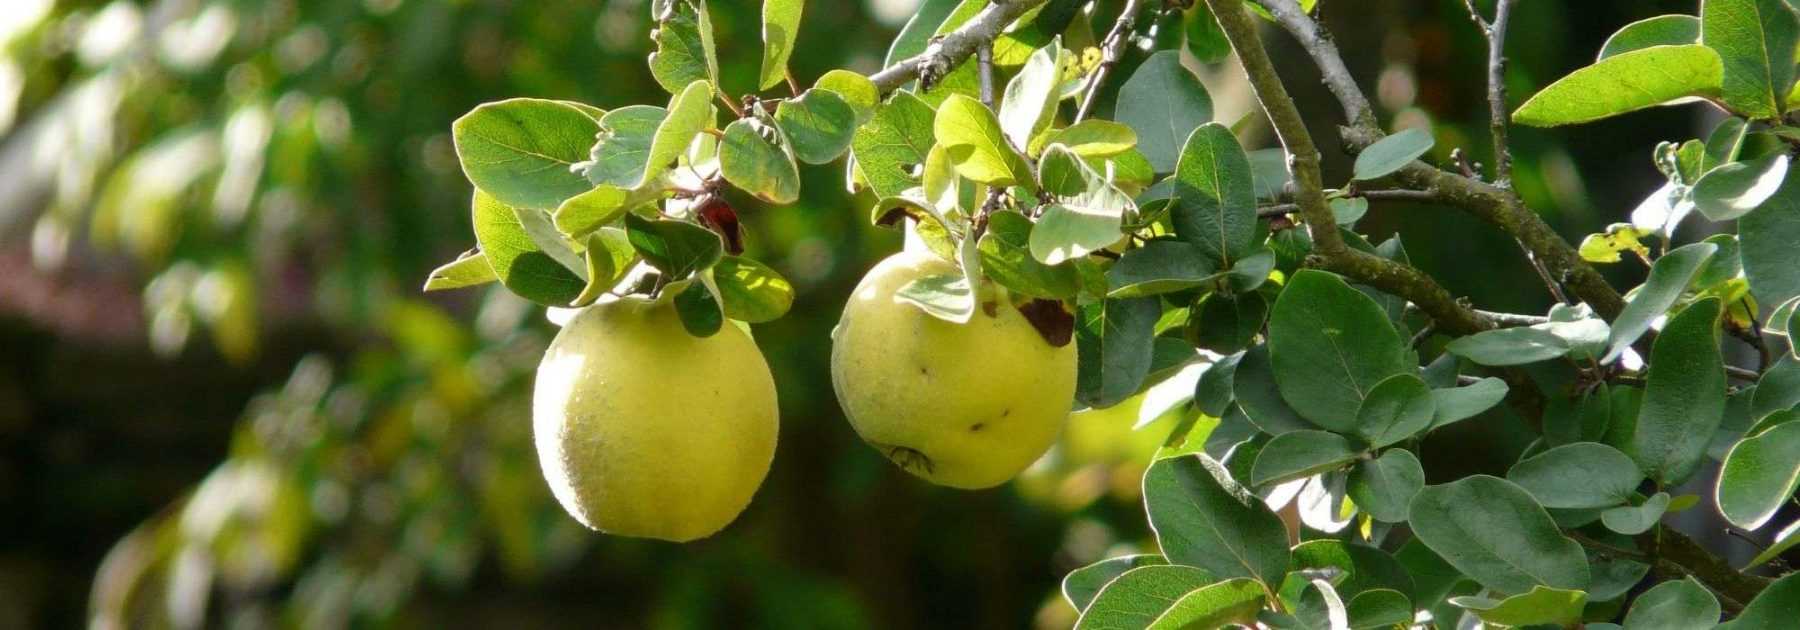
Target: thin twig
x=1418, y=196
x=1543, y=273
x=1496, y=36
x=1742, y=374
x=955, y=47
x=984, y=57
x=1111, y=49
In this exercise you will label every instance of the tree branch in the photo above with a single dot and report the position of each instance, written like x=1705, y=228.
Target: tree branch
x=1496, y=36
x=1330, y=251
x=1398, y=194
x=1499, y=207
x=1111, y=48
x=952, y=49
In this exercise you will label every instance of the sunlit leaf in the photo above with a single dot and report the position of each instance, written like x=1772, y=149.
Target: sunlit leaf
x=1623, y=83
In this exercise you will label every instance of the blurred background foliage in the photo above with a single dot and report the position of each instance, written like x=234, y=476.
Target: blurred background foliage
x=224, y=402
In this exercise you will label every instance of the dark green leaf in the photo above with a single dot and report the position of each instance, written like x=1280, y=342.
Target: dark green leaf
x=1227, y=323
x=699, y=310
x=1139, y=596
x=1622, y=83
x=1255, y=390
x=1680, y=603
x=1302, y=454
x=1081, y=585
x=1205, y=519
x=1460, y=403
x=1632, y=520
x=1383, y=487
x=1768, y=235
x=1378, y=608
x=1330, y=345
x=1397, y=408
x=676, y=248
x=1668, y=277
x=1113, y=349
x=1684, y=399
x=1509, y=346
x=1759, y=475
x=1215, y=206
x=1579, y=475
x=1204, y=37
x=1492, y=531
x=1662, y=30
x=1733, y=190
x=1160, y=266
x=1393, y=152
x=1163, y=102
x=520, y=150
x=1212, y=392
x=820, y=124
x=1211, y=606
x=1772, y=608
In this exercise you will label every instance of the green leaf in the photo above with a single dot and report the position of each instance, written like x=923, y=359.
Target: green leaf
x=1632, y=520
x=469, y=269
x=1684, y=399
x=1759, y=475
x=1330, y=345
x=1067, y=231
x=1623, y=83
x=1214, y=605
x=1030, y=96
x=1227, y=323
x=1579, y=475
x=1301, y=454
x=1668, y=277
x=1095, y=138
x=1460, y=403
x=1542, y=605
x=1509, y=346
x=1682, y=603
x=977, y=147
x=1159, y=266
x=857, y=91
x=1081, y=585
x=1215, y=206
x=1397, y=408
x=1767, y=236
x=944, y=296
x=751, y=291
x=1113, y=351
x=893, y=144
x=582, y=214
x=684, y=47
x=917, y=32
x=609, y=255
x=1392, y=153
x=780, y=26
x=1204, y=37
x=517, y=261
x=1724, y=143
x=757, y=165
x=1205, y=519
x=1253, y=385
x=690, y=113
x=820, y=123
x=618, y=159
x=1139, y=596
x=1662, y=30
x=1492, y=531
x=1163, y=102
x=1212, y=391
x=1383, y=487
x=1784, y=540
x=1733, y=190
x=1348, y=210
x=1777, y=390
x=520, y=150
x=1379, y=608
x=1006, y=258
x=1772, y=608
x=699, y=310
x=1755, y=39
x=676, y=248
x=1359, y=568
